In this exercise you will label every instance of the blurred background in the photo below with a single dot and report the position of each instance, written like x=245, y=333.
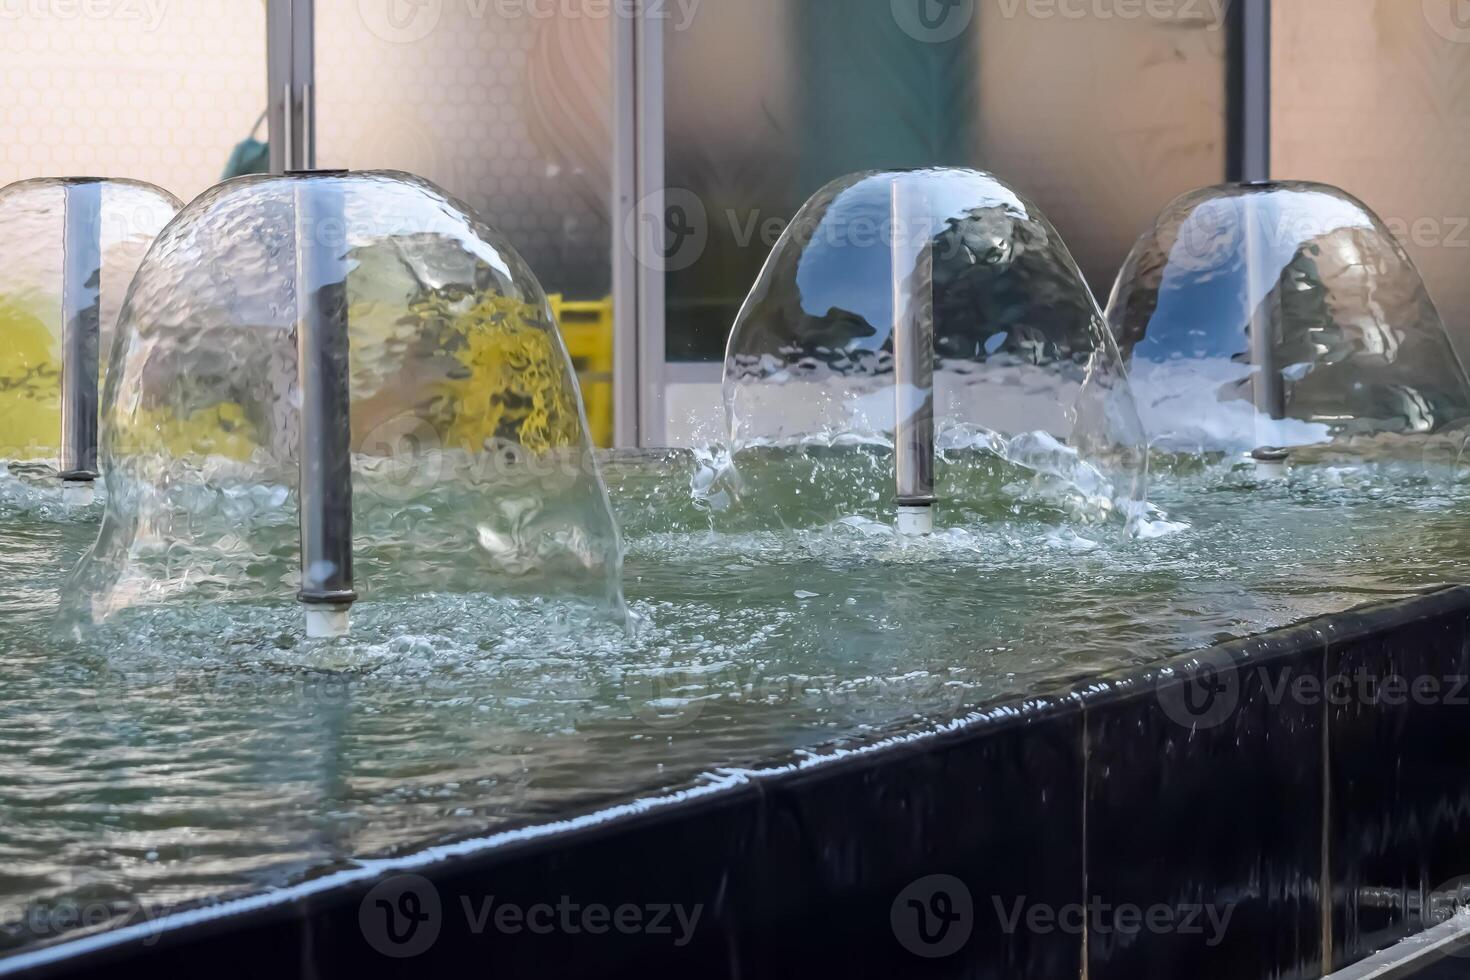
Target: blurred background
x=559, y=120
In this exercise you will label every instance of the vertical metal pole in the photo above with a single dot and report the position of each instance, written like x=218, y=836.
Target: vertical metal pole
x=1262, y=285
x=625, y=258
x=912, y=275
x=81, y=292
x=649, y=90
x=1250, y=91
x=325, y=487
x=1263, y=294
x=290, y=83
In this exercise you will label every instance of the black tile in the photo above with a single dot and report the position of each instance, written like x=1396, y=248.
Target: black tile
x=1204, y=817
x=966, y=830
x=1399, y=769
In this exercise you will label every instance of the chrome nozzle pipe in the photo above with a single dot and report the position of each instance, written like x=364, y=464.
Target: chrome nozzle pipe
x=1263, y=293
x=81, y=304
x=325, y=450
x=913, y=349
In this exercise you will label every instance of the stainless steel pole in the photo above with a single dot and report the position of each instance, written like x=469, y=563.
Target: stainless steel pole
x=325, y=451
x=1263, y=293
x=290, y=83
x=1255, y=90
x=912, y=274
x=81, y=292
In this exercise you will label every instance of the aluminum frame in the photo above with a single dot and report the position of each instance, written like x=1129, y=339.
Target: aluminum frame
x=640, y=374
x=290, y=34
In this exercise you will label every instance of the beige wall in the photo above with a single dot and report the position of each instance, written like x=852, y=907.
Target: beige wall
x=510, y=113
x=1103, y=121
x=1374, y=96
x=157, y=90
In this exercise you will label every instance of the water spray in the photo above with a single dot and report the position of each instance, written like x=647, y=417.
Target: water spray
x=912, y=273
x=81, y=304
x=326, y=402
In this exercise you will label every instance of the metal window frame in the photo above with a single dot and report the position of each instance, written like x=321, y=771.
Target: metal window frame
x=639, y=364
x=290, y=43
x=641, y=371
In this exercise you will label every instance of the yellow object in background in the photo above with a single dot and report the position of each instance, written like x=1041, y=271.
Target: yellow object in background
x=30, y=384
x=513, y=384
x=587, y=330
x=30, y=388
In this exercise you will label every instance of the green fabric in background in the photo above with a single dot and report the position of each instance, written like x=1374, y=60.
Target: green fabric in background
x=875, y=98
x=250, y=156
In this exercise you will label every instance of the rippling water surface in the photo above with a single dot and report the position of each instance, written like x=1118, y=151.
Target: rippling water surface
x=198, y=751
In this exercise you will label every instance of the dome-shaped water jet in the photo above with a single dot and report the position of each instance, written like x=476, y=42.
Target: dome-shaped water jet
x=902, y=311
x=68, y=250
x=356, y=360
x=1282, y=320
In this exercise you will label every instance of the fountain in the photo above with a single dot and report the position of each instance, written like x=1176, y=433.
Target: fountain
x=342, y=387
x=931, y=313
x=355, y=357
x=1282, y=321
x=68, y=250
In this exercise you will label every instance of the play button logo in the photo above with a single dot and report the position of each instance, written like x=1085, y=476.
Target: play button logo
x=400, y=21
x=1450, y=19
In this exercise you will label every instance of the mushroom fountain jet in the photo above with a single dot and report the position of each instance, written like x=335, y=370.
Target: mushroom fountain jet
x=355, y=361
x=1280, y=321
x=68, y=250
x=927, y=313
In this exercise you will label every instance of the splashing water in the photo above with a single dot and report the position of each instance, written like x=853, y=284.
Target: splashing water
x=197, y=748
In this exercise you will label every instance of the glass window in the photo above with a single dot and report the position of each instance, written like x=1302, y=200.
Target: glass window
x=1099, y=115
x=506, y=106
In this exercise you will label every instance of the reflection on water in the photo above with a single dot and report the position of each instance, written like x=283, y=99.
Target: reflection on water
x=190, y=751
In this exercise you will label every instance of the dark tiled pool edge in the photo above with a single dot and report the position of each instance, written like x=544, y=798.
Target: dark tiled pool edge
x=1238, y=813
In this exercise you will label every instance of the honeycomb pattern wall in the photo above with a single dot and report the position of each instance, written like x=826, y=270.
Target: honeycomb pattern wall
x=508, y=106
x=158, y=90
